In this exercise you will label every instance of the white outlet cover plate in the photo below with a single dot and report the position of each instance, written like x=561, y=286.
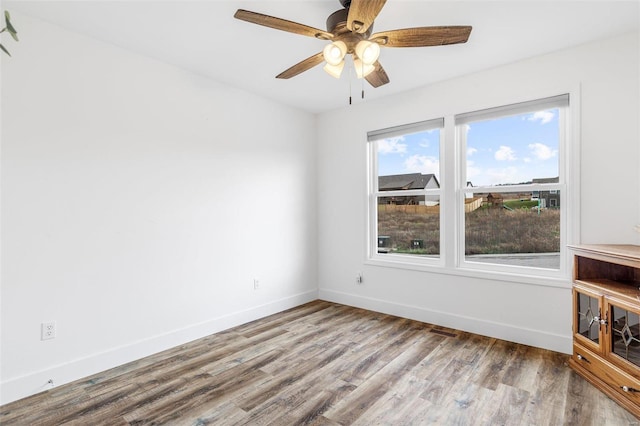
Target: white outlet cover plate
x=48, y=330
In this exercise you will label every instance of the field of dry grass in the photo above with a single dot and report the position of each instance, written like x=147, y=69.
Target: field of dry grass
x=488, y=231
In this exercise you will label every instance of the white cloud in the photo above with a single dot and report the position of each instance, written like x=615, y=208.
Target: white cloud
x=471, y=151
x=422, y=164
x=505, y=153
x=392, y=146
x=473, y=172
x=543, y=116
x=502, y=176
x=542, y=151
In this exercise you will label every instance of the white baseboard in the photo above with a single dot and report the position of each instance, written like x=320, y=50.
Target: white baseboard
x=32, y=383
x=525, y=336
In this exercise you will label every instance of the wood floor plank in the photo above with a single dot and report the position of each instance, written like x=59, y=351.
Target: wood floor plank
x=545, y=405
x=217, y=388
x=492, y=369
x=464, y=404
x=506, y=406
x=395, y=335
x=291, y=377
x=361, y=399
x=314, y=408
x=216, y=414
x=579, y=405
x=329, y=364
x=283, y=318
x=398, y=405
x=21, y=412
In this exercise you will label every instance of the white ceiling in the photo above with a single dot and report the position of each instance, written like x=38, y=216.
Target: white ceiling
x=202, y=36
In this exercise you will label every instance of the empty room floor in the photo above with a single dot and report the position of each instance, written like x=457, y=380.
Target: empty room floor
x=328, y=364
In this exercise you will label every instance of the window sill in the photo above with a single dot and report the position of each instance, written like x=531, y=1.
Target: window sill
x=554, y=279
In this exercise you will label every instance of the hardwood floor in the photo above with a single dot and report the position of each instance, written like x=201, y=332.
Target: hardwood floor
x=329, y=364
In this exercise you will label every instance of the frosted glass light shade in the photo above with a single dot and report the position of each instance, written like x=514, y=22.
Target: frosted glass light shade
x=362, y=69
x=334, y=70
x=368, y=52
x=334, y=52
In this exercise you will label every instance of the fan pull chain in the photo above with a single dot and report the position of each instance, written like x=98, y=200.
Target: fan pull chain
x=362, y=79
x=350, y=78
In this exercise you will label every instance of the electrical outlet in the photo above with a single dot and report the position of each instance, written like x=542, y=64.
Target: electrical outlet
x=48, y=330
x=256, y=284
x=358, y=277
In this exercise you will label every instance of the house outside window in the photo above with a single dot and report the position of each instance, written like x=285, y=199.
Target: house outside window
x=549, y=198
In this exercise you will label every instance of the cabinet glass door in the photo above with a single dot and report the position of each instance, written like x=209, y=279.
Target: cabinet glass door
x=588, y=316
x=625, y=333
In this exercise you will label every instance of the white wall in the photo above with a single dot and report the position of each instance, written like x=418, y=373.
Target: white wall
x=139, y=201
x=605, y=74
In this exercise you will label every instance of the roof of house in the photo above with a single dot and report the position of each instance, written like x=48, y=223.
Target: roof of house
x=546, y=180
x=407, y=181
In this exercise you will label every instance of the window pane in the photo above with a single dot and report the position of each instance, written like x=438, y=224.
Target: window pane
x=408, y=228
x=514, y=149
x=514, y=228
x=409, y=161
x=409, y=224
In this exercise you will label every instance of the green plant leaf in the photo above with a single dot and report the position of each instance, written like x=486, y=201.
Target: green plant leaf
x=10, y=28
x=5, y=50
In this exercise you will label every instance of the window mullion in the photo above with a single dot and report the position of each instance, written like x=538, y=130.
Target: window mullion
x=449, y=206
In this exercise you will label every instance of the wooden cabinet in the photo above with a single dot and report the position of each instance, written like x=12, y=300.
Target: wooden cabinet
x=606, y=320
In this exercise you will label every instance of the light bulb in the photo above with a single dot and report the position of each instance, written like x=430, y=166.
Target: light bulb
x=368, y=52
x=334, y=52
x=362, y=69
x=334, y=70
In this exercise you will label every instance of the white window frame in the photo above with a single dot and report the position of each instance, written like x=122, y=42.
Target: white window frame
x=375, y=193
x=563, y=104
x=453, y=190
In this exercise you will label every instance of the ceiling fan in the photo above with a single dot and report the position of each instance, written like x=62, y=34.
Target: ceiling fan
x=350, y=32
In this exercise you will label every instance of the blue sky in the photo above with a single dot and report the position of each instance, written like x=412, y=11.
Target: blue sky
x=512, y=149
x=417, y=152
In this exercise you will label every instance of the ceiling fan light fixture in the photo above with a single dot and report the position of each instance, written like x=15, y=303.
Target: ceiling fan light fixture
x=362, y=69
x=334, y=52
x=334, y=70
x=368, y=52
x=350, y=36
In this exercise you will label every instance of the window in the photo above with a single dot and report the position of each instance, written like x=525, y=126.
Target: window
x=406, y=190
x=507, y=211
x=511, y=152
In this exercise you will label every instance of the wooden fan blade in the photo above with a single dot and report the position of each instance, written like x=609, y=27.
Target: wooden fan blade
x=422, y=36
x=362, y=13
x=281, y=24
x=302, y=66
x=378, y=77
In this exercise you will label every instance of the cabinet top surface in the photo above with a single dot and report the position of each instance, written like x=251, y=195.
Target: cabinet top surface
x=624, y=251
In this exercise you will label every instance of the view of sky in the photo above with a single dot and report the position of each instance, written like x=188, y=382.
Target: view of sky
x=508, y=150
x=413, y=153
